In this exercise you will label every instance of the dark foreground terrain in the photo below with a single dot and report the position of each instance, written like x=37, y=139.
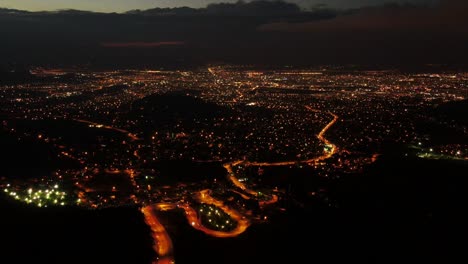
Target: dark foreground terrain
x=397, y=210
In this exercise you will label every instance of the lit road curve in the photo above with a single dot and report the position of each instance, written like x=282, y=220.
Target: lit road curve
x=240, y=185
x=205, y=197
x=162, y=241
x=235, y=181
x=328, y=153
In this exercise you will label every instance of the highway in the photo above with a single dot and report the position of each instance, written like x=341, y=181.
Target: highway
x=162, y=241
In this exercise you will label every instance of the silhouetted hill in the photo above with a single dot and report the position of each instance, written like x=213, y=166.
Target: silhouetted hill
x=73, y=235
x=254, y=8
x=455, y=110
x=168, y=109
x=410, y=206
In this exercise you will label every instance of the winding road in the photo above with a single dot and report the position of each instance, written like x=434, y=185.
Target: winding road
x=162, y=241
x=328, y=153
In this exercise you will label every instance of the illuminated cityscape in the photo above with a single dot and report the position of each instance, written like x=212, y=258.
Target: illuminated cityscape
x=112, y=134
x=231, y=132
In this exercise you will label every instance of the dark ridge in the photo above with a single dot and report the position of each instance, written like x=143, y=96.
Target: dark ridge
x=455, y=110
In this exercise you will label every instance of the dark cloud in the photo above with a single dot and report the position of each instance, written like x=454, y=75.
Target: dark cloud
x=448, y=16
x=391, y=34
x=240, y=8
x=260, y=32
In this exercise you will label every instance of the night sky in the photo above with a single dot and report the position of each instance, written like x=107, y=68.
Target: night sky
x=125, y=5
x=268, y=33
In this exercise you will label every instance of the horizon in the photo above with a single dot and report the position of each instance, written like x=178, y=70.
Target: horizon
x=122, y=6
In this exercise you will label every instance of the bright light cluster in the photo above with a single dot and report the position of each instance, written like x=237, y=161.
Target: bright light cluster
x=215, y=218
x=50, y=196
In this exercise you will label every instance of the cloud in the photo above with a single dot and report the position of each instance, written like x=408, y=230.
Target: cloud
x=396, y=35
x=240, y=8
x=447, y=17
x=391, y=34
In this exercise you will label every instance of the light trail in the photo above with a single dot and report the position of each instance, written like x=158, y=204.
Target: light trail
x=328, y=154
x=330, y=150
x=162, y=241
x=133, y=137
x=132, y=174
x=236, y=182
x=274, y=199
x=245, y=197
